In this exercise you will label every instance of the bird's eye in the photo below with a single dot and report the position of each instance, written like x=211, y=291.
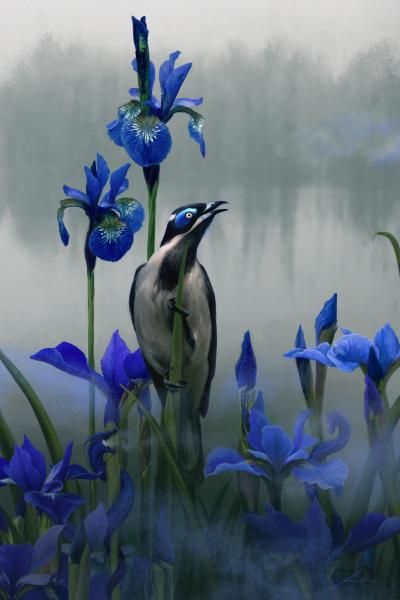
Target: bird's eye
x=189, y=215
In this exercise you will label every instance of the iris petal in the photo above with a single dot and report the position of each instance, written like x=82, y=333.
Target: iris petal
x=59, y=507
x=112, y=363
x=131, y=212
x=319, y=353
x=257, y=421
x=76, y=194
x=226, y=459
x=246, y=366
x=172, y=83
x=388, y=347
x=111, y=239
x=330, y=475
x=103, y=171
x=277, y=445
x=350, y=352
x=146, y=139
x=114, y=131
x=195, y=128
x=189, y=101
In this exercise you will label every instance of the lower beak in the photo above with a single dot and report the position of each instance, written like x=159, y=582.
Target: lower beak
x=212, y=208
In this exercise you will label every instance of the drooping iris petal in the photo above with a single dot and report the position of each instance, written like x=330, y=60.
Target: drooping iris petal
x=146, y=139
x=246, y=366
x=326, y=319
x=371, y=530
x=114, y=131
x=277, y=445
x=96, y=525
x=76, y=194
x=257, y=421
x=226, y=459
x=330, y=475
x=122, y=506
x=112, y=363
x=351, y=351
x=111, y=239
x=46, y=547
x=103, y=171
x=78, y=472
x=319, y=353
x=323, y=449
x=196, y=129
x=388, y=346
x=62, y=230
x=59, y=507
x=131, y=212
x=97, y=448
x=71, y=359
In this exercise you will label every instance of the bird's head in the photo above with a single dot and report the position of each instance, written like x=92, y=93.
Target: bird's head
x=190, y=222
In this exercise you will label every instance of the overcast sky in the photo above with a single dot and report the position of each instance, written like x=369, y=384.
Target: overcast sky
x=335, y=29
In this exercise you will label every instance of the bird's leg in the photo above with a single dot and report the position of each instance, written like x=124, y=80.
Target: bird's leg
x=173, y=386
x=184, y=313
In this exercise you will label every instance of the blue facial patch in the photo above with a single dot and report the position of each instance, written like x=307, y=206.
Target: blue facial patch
x=185, y=217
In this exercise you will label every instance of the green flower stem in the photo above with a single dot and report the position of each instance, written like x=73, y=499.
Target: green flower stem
x=317, y=402
x=151, y=228
x=45, y=423
x=171, y=412
x=113, y=489
x=7, y=441
x=91, y=361
x=275, y=492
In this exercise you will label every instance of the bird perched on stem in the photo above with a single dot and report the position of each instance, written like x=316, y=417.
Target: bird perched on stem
x=152, y=305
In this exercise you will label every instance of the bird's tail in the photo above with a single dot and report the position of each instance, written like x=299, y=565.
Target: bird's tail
x=190, y=443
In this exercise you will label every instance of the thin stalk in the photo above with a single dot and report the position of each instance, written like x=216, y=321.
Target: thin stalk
x=91, y=361
x=42, y=416
x=113, y=489
x=316, y=420
x=151, y=227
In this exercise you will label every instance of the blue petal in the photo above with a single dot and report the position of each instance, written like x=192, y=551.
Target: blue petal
x=300, y=340
x=93, y=188
x=246, y=366
x=131, y=212
x=319, y=543
x=37, y=458
x=58, y=507
x=135, y=367
x=299, y=439
x=146, y=139
x=116, y=181
x=111, y=239
x=371, y=530
x=259, y=403
x=22, y=471
x=277, y=445
x=122, y=506
x=112, y=363
x=172, y=83
x=62, y=230
x=103, y=171
x=257, y=422
x=55, y=480
x=96, y=525
x=196, y=128
x=226, y=459
x=188, y=102
x=76, y=194
x=374, y=367
x=323, y=449
x=319, y=353
x=388, y=347
x=330, y=475
x=96, y=449
x=276, y=532
x=78, y=472
x=327, y=318
x=372, y=400
x=351, y=351
x=71, y=359
x=46, y=547
x=15, y=562
x=114, y=131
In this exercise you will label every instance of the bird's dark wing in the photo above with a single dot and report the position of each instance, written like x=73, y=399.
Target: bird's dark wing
x=212, y=353
x=132, y=294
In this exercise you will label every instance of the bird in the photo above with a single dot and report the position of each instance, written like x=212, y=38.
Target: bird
x=152, y=303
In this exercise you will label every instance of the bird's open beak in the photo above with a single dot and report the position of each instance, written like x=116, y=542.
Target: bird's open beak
x=212, y=208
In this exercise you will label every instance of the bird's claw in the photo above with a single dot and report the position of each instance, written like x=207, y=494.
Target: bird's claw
x=172, y=306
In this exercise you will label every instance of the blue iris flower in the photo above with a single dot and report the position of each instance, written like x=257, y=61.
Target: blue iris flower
x=274, y=454
x=246, y=377
x=21, y=566
x=120, y=368
x=113, y=221
x=141, y=124
x=27, y=470
x=313, y=543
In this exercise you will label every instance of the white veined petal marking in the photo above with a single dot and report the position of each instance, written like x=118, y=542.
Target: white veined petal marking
x=110, y=230
x=147, y=127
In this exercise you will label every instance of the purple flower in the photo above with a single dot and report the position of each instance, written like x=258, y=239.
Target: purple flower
x=113, y=221
x=27, y=470
x=21, y=565
x=119, y=368
x=274, y=454
x=140, y=127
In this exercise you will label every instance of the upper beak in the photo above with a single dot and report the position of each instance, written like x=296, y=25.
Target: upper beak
x=212, y=208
